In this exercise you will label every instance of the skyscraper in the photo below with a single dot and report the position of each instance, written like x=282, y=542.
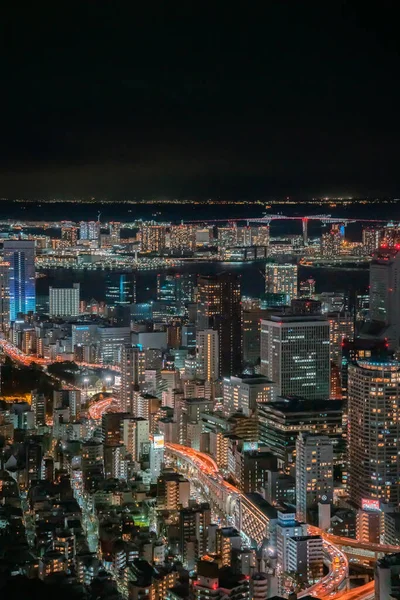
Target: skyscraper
x=281, y=279
x=314, y=472
x=331, y=242
x=207, y=354
x=374, y=431
x=295, y=355
x=89, y=230
x=219, y=308
x=4, y=295
x=21, y=256
x=64, y=302
x=133, y=365
x=384, y=292
x=119, y=289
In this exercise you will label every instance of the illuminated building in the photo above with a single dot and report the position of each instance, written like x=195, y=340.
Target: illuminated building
x=306, y=557
x=68, y=398
x=251, y=333
x=341, y=327
x=4, y=295
x=281, y=422
x=260, y=235
x=173, y=491
x=193, y=525
x=207, y=354
x=64, y=302
x=244, y=393
x=178, y=287
x=219, y=308
x=331, y=242
x=295, y=355
x=368, y=522
x=183, y=237
x=156, y=465
x=281, y=279
x=374, y=431
x=64, y=543
x=213, y=583
x=119, y=289
x=387, y=577
x=52, y=562
x=307, y=288
x=21, y=256
x=384, y=292
x=89, y=230
x=115, y=231
x=39, y=408
x=227, y=539
x=133, y=366
x=69, y=236
x=314, y=473
x=287, y=527
x=134, y=435
x=227, y=236
x=371, y=239
x=111, y=342
x=153, y=237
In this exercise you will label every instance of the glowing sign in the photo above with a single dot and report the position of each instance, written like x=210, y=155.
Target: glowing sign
x=158, y=441
x=369, y=504
x=250, y=446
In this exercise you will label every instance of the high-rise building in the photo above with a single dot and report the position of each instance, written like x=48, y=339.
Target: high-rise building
x=207, y=354
x=133, y=366
x=153, y=237
x=314, y=473
x=251, y=333
x=64, y=302
x=89, y=230
x=39, y=408
x=306, y=557
x=182, y=237
x=219, y=308
x=242, y=394
x=384, y=292
x=115, y=231
x=119, y=289
x=4, y=295
x=307, y=288
x=331, y=242
x=21, y=256
x=295, y=355
x=69, y=236
x=177, y=287
x=281, y=279
x=371, y=239
x=387, y=577
x=374, y=431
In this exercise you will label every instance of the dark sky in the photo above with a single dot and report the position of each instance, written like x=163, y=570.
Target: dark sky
x=298, y=98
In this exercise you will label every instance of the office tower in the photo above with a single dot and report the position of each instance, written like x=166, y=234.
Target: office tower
x=374, y=431
x=295, y=355
x=177, y=287
x=341, y=328
x=64, y=302
x=69, y=236
x=133, y=366
x=89, y=230
x=111, y=428
x=227, y=540
x=251, y=333
x=281, y=422
x=207, y=354
x=39, y=408
x=260, y=235
x=227, y=236
x=371, y=239
x=33, y=460
x=287, y=527
x=111, y=341
x=242, y=394
x=331, y=242
x=119, y=289
x=153, y=237
x=219, y=307
x=4, y=295
x=307, y=288
x=115, y=231
x=21, y=256
x=384, y=292
x=281, y=279
x=314, y=473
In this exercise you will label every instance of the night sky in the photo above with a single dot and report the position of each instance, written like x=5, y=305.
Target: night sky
x=301, y=98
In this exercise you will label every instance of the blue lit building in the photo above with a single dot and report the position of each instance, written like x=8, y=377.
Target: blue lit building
x=119, y=289
x=21, y=256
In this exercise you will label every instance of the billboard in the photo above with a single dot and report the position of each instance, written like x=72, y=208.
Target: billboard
x=370, y=504
x=158, y=441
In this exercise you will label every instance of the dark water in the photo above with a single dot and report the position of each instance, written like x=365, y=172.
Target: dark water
x=252, y=280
